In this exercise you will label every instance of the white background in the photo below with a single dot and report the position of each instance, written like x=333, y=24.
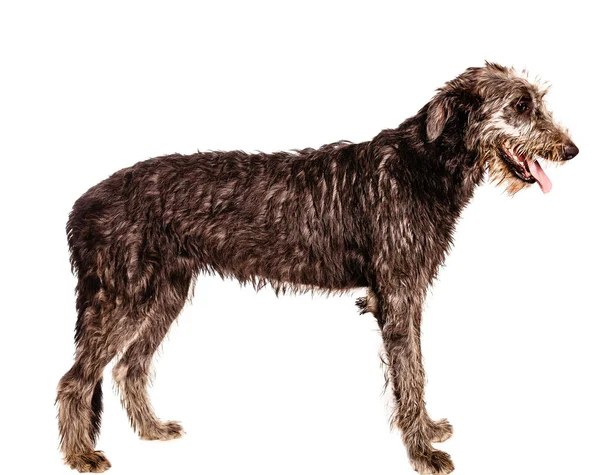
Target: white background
x=294, y=385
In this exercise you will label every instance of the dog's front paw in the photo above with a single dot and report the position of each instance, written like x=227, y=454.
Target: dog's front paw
x=432, y=462
x=94, y=462
x=439, y=431
x=163, y=431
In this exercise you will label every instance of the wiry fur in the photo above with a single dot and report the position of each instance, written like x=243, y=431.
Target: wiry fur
x=378, y=214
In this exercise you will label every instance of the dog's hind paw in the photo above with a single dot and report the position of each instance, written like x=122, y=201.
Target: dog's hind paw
x=432, y=462
x=94, y=462
x=164, y=431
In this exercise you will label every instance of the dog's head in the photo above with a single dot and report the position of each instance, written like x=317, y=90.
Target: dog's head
x=507, y=123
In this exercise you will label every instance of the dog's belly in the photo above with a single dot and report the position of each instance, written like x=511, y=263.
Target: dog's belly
x=287, y=263
x=319, y=277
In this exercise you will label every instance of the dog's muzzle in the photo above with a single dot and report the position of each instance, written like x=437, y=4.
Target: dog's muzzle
x=570, y=151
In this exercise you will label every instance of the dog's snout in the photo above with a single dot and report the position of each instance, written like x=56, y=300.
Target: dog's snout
x=570, y=151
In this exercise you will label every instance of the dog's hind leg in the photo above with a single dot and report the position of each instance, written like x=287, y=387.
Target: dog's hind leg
x=132, y=371
x=102, y=331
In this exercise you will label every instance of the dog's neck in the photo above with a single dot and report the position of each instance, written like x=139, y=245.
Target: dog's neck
x=444, y=170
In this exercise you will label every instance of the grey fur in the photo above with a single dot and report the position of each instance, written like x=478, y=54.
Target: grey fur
x=378, y=215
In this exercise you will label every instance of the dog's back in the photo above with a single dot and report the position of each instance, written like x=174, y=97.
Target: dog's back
x=255, y=217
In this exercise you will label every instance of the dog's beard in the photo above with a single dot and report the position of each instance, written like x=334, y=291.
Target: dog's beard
x=516, y=171
x=525, y=166
x=500, y=174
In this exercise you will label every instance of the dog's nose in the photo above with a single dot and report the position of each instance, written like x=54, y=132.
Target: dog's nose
x=570, y=151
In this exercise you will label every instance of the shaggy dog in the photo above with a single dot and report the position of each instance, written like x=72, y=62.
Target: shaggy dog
x=378, y=215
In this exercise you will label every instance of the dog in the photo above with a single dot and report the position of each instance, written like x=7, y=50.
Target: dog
x=378, y=215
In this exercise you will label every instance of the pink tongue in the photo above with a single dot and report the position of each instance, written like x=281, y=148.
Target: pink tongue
x=540, y=176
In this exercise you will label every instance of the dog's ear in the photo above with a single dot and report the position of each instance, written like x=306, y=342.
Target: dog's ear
x=460, y=96
x=438, y=113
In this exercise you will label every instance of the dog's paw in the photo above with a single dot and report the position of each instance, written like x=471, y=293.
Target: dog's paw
x=164, y=431
x=361, y=303
x=432, y=462
x=94, y=462
x=439, y=431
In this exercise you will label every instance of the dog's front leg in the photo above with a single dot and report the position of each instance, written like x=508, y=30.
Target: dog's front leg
x=401, y=316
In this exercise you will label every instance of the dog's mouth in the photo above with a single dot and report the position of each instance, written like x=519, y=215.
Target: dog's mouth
x=526, y=169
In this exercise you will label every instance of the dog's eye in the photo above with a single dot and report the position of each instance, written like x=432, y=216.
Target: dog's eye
x=523, y=105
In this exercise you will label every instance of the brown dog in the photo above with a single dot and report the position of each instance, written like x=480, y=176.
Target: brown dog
x=378, y=214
